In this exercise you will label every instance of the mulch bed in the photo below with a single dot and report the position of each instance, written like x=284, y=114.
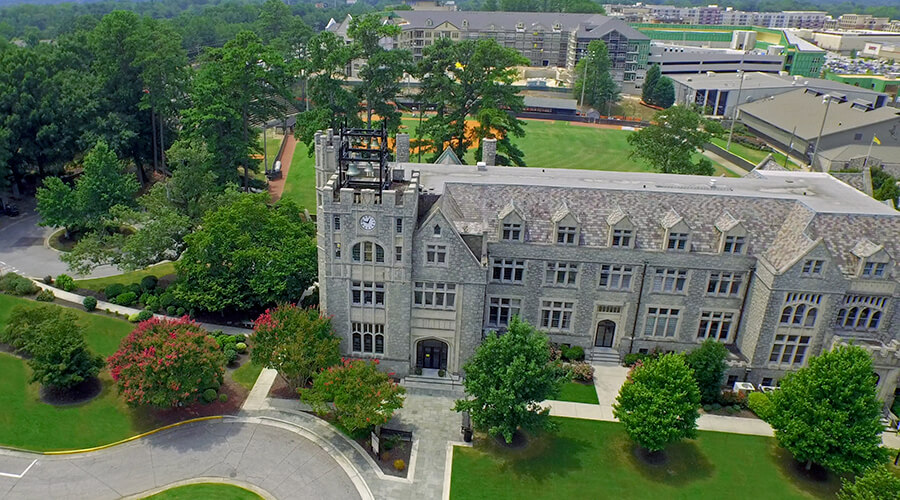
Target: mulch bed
x=281, y=390
x=400, y=451
x=236, y=395
x=722, y=412
x=655, y=458
x=81, y=393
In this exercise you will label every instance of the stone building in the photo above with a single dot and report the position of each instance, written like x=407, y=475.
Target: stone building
x=418, y=261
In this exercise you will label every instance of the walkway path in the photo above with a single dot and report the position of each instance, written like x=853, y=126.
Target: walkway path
x=274, y=457
x=728, y=164
x=258, y=397
x=276, y=186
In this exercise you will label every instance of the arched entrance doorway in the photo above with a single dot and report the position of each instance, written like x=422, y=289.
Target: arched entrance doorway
x=432, y=354
x=606, y=333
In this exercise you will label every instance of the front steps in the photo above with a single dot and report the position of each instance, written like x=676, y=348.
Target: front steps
x=604, y=356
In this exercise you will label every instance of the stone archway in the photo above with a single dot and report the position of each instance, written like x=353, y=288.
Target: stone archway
x=432, y=354
x=606, y=334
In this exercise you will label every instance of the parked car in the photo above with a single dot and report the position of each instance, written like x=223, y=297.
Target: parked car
x=8, y=209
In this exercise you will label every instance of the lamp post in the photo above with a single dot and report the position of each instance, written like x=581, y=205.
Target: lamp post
x=826, y=100
x=734, y=110
x=586, y=58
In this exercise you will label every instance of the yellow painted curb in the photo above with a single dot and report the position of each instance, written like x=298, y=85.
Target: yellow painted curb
x=132, y=438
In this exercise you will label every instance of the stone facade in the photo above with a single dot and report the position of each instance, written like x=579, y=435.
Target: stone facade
x=777, y=265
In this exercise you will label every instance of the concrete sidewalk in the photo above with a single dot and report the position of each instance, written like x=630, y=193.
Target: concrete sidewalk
x=258, y=399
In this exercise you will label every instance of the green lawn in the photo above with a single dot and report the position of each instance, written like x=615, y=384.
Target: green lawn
x=300, y=185
x=247, y=374
x=205, y=491
x=590, y=459
x=752, y=155
x=26, y=422
x=98, y=284
x=579, y=393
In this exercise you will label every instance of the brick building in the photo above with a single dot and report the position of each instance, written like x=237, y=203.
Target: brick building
x=418, y=261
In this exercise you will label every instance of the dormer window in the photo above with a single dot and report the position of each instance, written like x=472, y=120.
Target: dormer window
x=465, y=23
x=520, y=26
x=874, y=269
x=429, y=22
x=621, y=230
x=677, y=241
x=812, y=267
x=556, y=27
x=733, y=244
x=621, y=238
x=566, y=235
x=512, y=232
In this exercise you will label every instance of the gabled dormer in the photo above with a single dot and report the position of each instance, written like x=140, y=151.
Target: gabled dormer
x=511, y=224
x=566, y=226
x=873, y=261
x=676, y=232
x=621, y=229
x=732, y=234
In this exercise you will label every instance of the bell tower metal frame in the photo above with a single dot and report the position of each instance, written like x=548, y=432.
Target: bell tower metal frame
x=363, y=147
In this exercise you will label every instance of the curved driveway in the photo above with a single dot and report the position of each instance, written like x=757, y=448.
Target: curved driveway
x=278, y=461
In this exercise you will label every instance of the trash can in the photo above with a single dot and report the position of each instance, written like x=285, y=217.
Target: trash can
x=466, y=427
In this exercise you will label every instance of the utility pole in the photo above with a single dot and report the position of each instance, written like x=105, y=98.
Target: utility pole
x=790, y=147
x=826, y=100
x=584, y=77
x=734, y=109
x=265, y=149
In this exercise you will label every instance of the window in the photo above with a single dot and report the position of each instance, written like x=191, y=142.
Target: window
x=613, y=277
x=501, y=310
x=436, y=254
x=800, y=310
x=661, y=322
x=715, y=325
x=566, y=235
x=812, y=267
x=437, y=230
x=669, y=280
x=556, y=315
x=857, y=137
x=766, y=382
x=677, y=241
x=512, y=232
x=561, y=273
x=724, y=284
x=336, y=223
x=368, y=252
x=733, y=244
x=367, y=293
x=789, y=349
x=430, y=295
x=861, y=313
x=731, y=380
x=508, y=270
x=368, y=337
x=399, y=225
x=337, y=250
x=874, y=270
x=621, y=238
x=398, y=253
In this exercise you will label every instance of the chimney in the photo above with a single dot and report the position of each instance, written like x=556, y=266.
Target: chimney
x=402, y=148
x=489, y=152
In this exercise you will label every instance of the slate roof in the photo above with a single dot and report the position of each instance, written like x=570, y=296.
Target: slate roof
x=588, y=25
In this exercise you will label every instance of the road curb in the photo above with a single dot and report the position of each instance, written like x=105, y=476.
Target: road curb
x=203, y=480
x=132, y=438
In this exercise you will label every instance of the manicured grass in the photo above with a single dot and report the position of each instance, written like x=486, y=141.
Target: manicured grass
x=273, y=143
x=300, y=185
x=247, y=374
x=579, y=393
x=752, y=155
x=205, y=491
x=590, y=459
x=26, y=422
x=98, y=284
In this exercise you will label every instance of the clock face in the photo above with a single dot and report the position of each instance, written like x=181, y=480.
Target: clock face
x=367, y=222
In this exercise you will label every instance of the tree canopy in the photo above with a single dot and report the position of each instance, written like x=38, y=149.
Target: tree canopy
x=708, y=363
x=593, y=79
x=669, y=144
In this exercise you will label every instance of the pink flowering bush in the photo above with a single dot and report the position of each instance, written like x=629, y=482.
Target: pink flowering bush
x=166, y=363
x=363, y=396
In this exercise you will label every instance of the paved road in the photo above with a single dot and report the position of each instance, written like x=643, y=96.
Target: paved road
x=278, y=461
x=22, y=247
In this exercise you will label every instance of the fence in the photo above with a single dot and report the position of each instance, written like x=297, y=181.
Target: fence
x=728, y=155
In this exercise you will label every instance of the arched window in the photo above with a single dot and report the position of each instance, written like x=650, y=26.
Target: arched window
x=367, y=251
x=367, y=342
x=786, y=315
x=861, y=312
x=437, y=230
x=842, y=315
x=811, y=317
x=357, y=342
x=874, y=320
x=863, y=319
x=851, y=317
x=379, y=344
x=798, y=314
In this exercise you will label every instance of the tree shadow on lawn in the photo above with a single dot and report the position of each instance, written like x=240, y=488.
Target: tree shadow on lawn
x=683, y=462
x=544, y=456
x=817, y=481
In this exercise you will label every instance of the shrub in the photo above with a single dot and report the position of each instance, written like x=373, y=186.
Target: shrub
x=148, y=283
x=167, y=299
x=170, y=310
x=14, y=284
x=760, y=404
x=45, y=296
x=399, y=464
x=152, y=303
x=209, y=395
x=574, y=353
x=441, y=373
x=715, y=407
x=144, y=315
x=134, y=288
x=180, y=311
x=89, y=303
x=418, y=370
x=555, y=352
x=133, y=318
x=126, y=299
x=166, y=362
x=730, y=398
x=708, y=363
x=240, y=337
x=223, y=398
x=707, y=408
x=24, y=321
x=143, y=298
x=59, y=355
x=65, y=282
x=241, y=347
x=581, y=371
x=230, y=356
x=631, y=359
x=113, y=291
x=48, y=280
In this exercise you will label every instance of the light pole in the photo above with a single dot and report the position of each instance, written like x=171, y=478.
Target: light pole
x=586, y=59
x=734, y=110
x=826, y=100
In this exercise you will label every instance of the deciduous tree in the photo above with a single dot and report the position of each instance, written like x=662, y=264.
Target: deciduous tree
x=653, y=74
x=297, y=342
x=593, y=80
x=828, y=413
x=669, y=144
x=166, y=363
x=59, y=355
x=659, y=403
x=708, y=363
x=877, y=483
x=506, y=380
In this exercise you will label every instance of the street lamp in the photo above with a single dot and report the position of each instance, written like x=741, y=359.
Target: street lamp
x=734, y=109
x=826, y=100
x=584, y=77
